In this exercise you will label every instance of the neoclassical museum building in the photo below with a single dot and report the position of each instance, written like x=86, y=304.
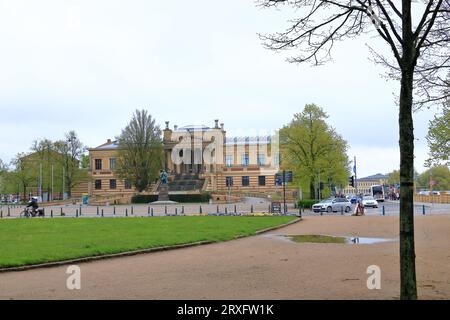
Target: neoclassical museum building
x=197, y=159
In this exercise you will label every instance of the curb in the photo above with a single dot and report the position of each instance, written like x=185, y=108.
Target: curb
x=135, y=252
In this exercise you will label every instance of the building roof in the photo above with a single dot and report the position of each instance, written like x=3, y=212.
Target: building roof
x=377, y=176
x=107, y=145
x=193, y=128
x=248, y=140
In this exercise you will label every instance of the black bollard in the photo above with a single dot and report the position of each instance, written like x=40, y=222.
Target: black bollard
x=51, y=213
x=76, y=213
x=165, y=210
x=235, y=209
x=102, y=213
x=342, y=211
x=182, y=210
x=423, y=209
x=126, y=212
x=384, y=211
x=114, y=210
x=201, y=211
x=132, y=210
x=98, y=211
x=251, y=209
x=176, y=211
x=152, y=212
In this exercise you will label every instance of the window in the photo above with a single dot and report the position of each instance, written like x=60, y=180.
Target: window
x=112, y=163
x=278, y=179
x=261, y=159
x=245, y=181
x=113, y=184
x=127, y=184
x=229, y=161
x=245, y=160
x=229, y=181
x=262, y=181
x=98, y=164
x=98, y=184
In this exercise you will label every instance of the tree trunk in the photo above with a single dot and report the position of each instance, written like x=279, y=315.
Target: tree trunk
x=312, y=189
x=408, y=287
x=407, y=251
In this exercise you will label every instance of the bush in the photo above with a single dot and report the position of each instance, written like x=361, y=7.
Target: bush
x=140, y=198
x=183, y=198
x=190, y=198
x=307, y=203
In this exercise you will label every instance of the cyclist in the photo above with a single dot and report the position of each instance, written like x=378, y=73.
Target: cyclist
x=33, y=204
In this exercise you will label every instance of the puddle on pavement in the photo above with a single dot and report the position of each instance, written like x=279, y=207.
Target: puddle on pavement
x=317, y=238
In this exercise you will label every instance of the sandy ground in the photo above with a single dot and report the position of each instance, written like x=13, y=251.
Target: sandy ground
x=260, y=267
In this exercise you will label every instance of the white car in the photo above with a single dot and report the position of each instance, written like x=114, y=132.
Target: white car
x=332, y=205
x=369, y=202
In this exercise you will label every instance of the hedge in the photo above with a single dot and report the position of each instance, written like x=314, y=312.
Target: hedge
x=182, y=198
x=144, y=198
x=307, y=203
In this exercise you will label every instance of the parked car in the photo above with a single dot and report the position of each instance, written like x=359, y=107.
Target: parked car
x=333, y=205
x=369, y=202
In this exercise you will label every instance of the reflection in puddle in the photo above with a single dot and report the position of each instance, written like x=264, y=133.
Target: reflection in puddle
x=328, y=239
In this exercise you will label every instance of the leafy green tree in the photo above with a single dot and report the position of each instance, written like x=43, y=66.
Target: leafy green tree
x=24, y=174
x=394, y=177
x=48, y=159
x=3, y=173
x=85, y=161
x=3, y=167
x=140, y=151
x=438, y=138
x=71, y=151
x=439, y=174
x=311, y=148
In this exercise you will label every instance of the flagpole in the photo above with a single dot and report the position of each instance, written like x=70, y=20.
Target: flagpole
x=356, y=178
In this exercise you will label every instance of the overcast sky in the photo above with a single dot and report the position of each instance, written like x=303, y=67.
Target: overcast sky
x=87, y=65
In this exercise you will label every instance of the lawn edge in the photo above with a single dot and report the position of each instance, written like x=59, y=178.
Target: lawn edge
x=137, y=252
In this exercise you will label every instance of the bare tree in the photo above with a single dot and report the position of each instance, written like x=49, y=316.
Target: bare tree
x=420, y=60
x=140, y=151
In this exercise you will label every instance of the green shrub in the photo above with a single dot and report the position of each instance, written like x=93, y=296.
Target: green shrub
x=307, y=203
x=190, y=198
x=141, y=198
x=182, y=198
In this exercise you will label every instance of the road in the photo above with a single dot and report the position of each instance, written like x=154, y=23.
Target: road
x=244, y=207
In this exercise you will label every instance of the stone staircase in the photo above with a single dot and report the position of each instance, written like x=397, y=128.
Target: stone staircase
x=186, y=182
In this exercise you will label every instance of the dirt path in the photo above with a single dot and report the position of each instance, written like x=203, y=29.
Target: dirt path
x=261, y=267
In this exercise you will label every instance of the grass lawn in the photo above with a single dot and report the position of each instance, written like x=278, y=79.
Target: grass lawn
x=32, y=241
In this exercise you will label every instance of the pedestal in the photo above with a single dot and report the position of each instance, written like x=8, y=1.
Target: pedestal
x=163, y=193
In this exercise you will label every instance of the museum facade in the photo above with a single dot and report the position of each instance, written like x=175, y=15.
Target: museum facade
x=197, y=159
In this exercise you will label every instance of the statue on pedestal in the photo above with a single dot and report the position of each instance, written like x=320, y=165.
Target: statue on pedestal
x=164, y=177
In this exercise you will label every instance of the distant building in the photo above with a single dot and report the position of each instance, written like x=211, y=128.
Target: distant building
x=364, y=184
x=197, y=158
